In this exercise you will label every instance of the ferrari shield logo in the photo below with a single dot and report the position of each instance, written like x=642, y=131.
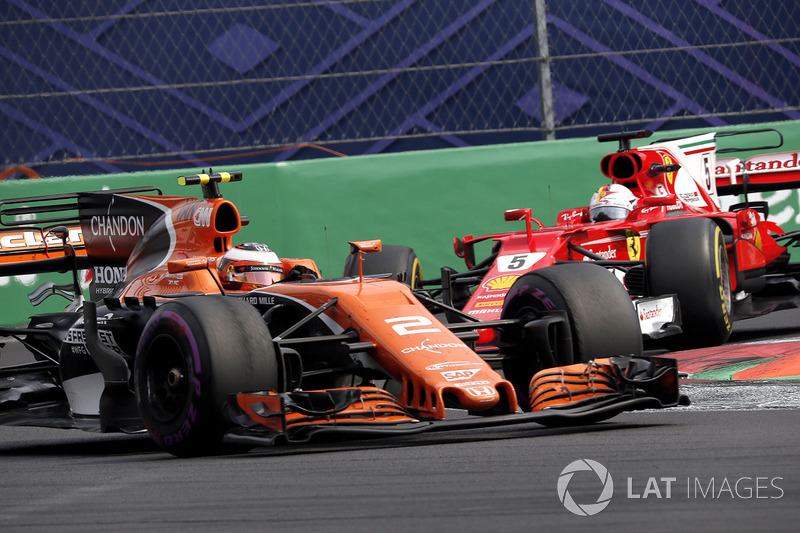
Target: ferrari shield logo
x=669, y=175
x=634, y=246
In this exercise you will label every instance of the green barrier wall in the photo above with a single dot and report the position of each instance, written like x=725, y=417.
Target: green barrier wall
x=420, y=199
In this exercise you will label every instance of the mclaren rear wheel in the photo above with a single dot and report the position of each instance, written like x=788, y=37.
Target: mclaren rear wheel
x=193, y=354
x=687, y=257
x=581, y=312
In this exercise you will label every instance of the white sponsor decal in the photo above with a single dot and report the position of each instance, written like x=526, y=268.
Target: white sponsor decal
x=460, y=375
x=33, y=239
x=202, y=217
x=107, y=274
x=433, y=348
x=687, y=191
x=78, y=336
x=760, y=163
x=610, y=253
x=448, y=364
x=409, y=325
x=515, y=262
x=605, y=240
x=472, y=383
x=655, y=313
x=483, y=311
x=117, y=225
x=566, y=217
x=481, y=392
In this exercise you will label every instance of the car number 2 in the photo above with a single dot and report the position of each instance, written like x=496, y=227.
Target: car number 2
x=408, y=325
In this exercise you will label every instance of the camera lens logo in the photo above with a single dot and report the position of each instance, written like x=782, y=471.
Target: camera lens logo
x=587, y=509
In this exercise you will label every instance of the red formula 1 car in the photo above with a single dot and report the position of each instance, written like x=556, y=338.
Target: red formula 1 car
x=209, y=346
x=660, y=227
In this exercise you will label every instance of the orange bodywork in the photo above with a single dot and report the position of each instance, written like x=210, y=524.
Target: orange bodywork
x=428, y=360
x=372, y=405
x=410, y=344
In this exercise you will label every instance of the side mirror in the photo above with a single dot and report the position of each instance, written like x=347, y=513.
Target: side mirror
x=209, y=264
x=177, y=266
x=360, y=248
x=517, y=214
x=365, y=246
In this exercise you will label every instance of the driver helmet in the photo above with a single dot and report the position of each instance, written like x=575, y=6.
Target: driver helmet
x=611, y=202
x=249, y=266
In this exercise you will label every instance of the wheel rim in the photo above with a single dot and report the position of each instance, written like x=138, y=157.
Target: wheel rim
x=166, y=379
x=416, y=274
x=725, y=278
x=525, y=313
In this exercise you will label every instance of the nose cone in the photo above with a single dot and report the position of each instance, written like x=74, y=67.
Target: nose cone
x=478, y=397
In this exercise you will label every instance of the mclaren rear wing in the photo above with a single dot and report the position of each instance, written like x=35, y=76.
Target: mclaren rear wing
x=41, y=234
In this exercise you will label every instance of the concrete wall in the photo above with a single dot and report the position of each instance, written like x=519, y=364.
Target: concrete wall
x=421, y=199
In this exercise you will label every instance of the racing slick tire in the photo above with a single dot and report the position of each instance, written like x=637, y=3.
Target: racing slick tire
x=687, y=257
x=194, y=353
x=400, y=262
x=601, y=318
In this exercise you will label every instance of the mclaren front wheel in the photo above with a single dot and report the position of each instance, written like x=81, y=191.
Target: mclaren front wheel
x=193, y=354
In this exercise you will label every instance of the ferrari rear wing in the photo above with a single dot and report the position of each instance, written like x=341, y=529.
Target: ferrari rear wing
x=760, y=173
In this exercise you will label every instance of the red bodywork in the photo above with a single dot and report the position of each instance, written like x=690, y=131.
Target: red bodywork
x=663, y=193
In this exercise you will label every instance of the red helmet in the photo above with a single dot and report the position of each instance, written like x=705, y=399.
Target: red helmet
x=249, y=266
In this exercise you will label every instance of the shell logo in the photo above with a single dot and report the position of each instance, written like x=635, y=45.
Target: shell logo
x=500, y=283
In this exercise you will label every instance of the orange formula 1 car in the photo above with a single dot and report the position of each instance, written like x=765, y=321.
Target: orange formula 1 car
x=210, y=346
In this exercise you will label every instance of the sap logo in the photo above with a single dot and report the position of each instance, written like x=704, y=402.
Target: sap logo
x=459, y=375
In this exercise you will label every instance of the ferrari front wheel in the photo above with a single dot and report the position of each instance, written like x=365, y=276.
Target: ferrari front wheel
x=687, y=257
x=574, y=313
x=193, y=354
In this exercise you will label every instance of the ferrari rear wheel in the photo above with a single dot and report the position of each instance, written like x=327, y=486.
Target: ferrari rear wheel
x=601, y=321
x=194, y=353
x=687, y=257
x=397, y=262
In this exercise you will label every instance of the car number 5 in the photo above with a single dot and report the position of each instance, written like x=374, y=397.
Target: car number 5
x=510, y=263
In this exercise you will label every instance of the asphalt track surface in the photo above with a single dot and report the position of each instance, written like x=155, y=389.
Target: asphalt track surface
x=729, y=462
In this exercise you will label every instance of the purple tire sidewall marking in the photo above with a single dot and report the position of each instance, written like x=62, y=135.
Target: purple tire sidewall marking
x=183, y=329
x=179, y=324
